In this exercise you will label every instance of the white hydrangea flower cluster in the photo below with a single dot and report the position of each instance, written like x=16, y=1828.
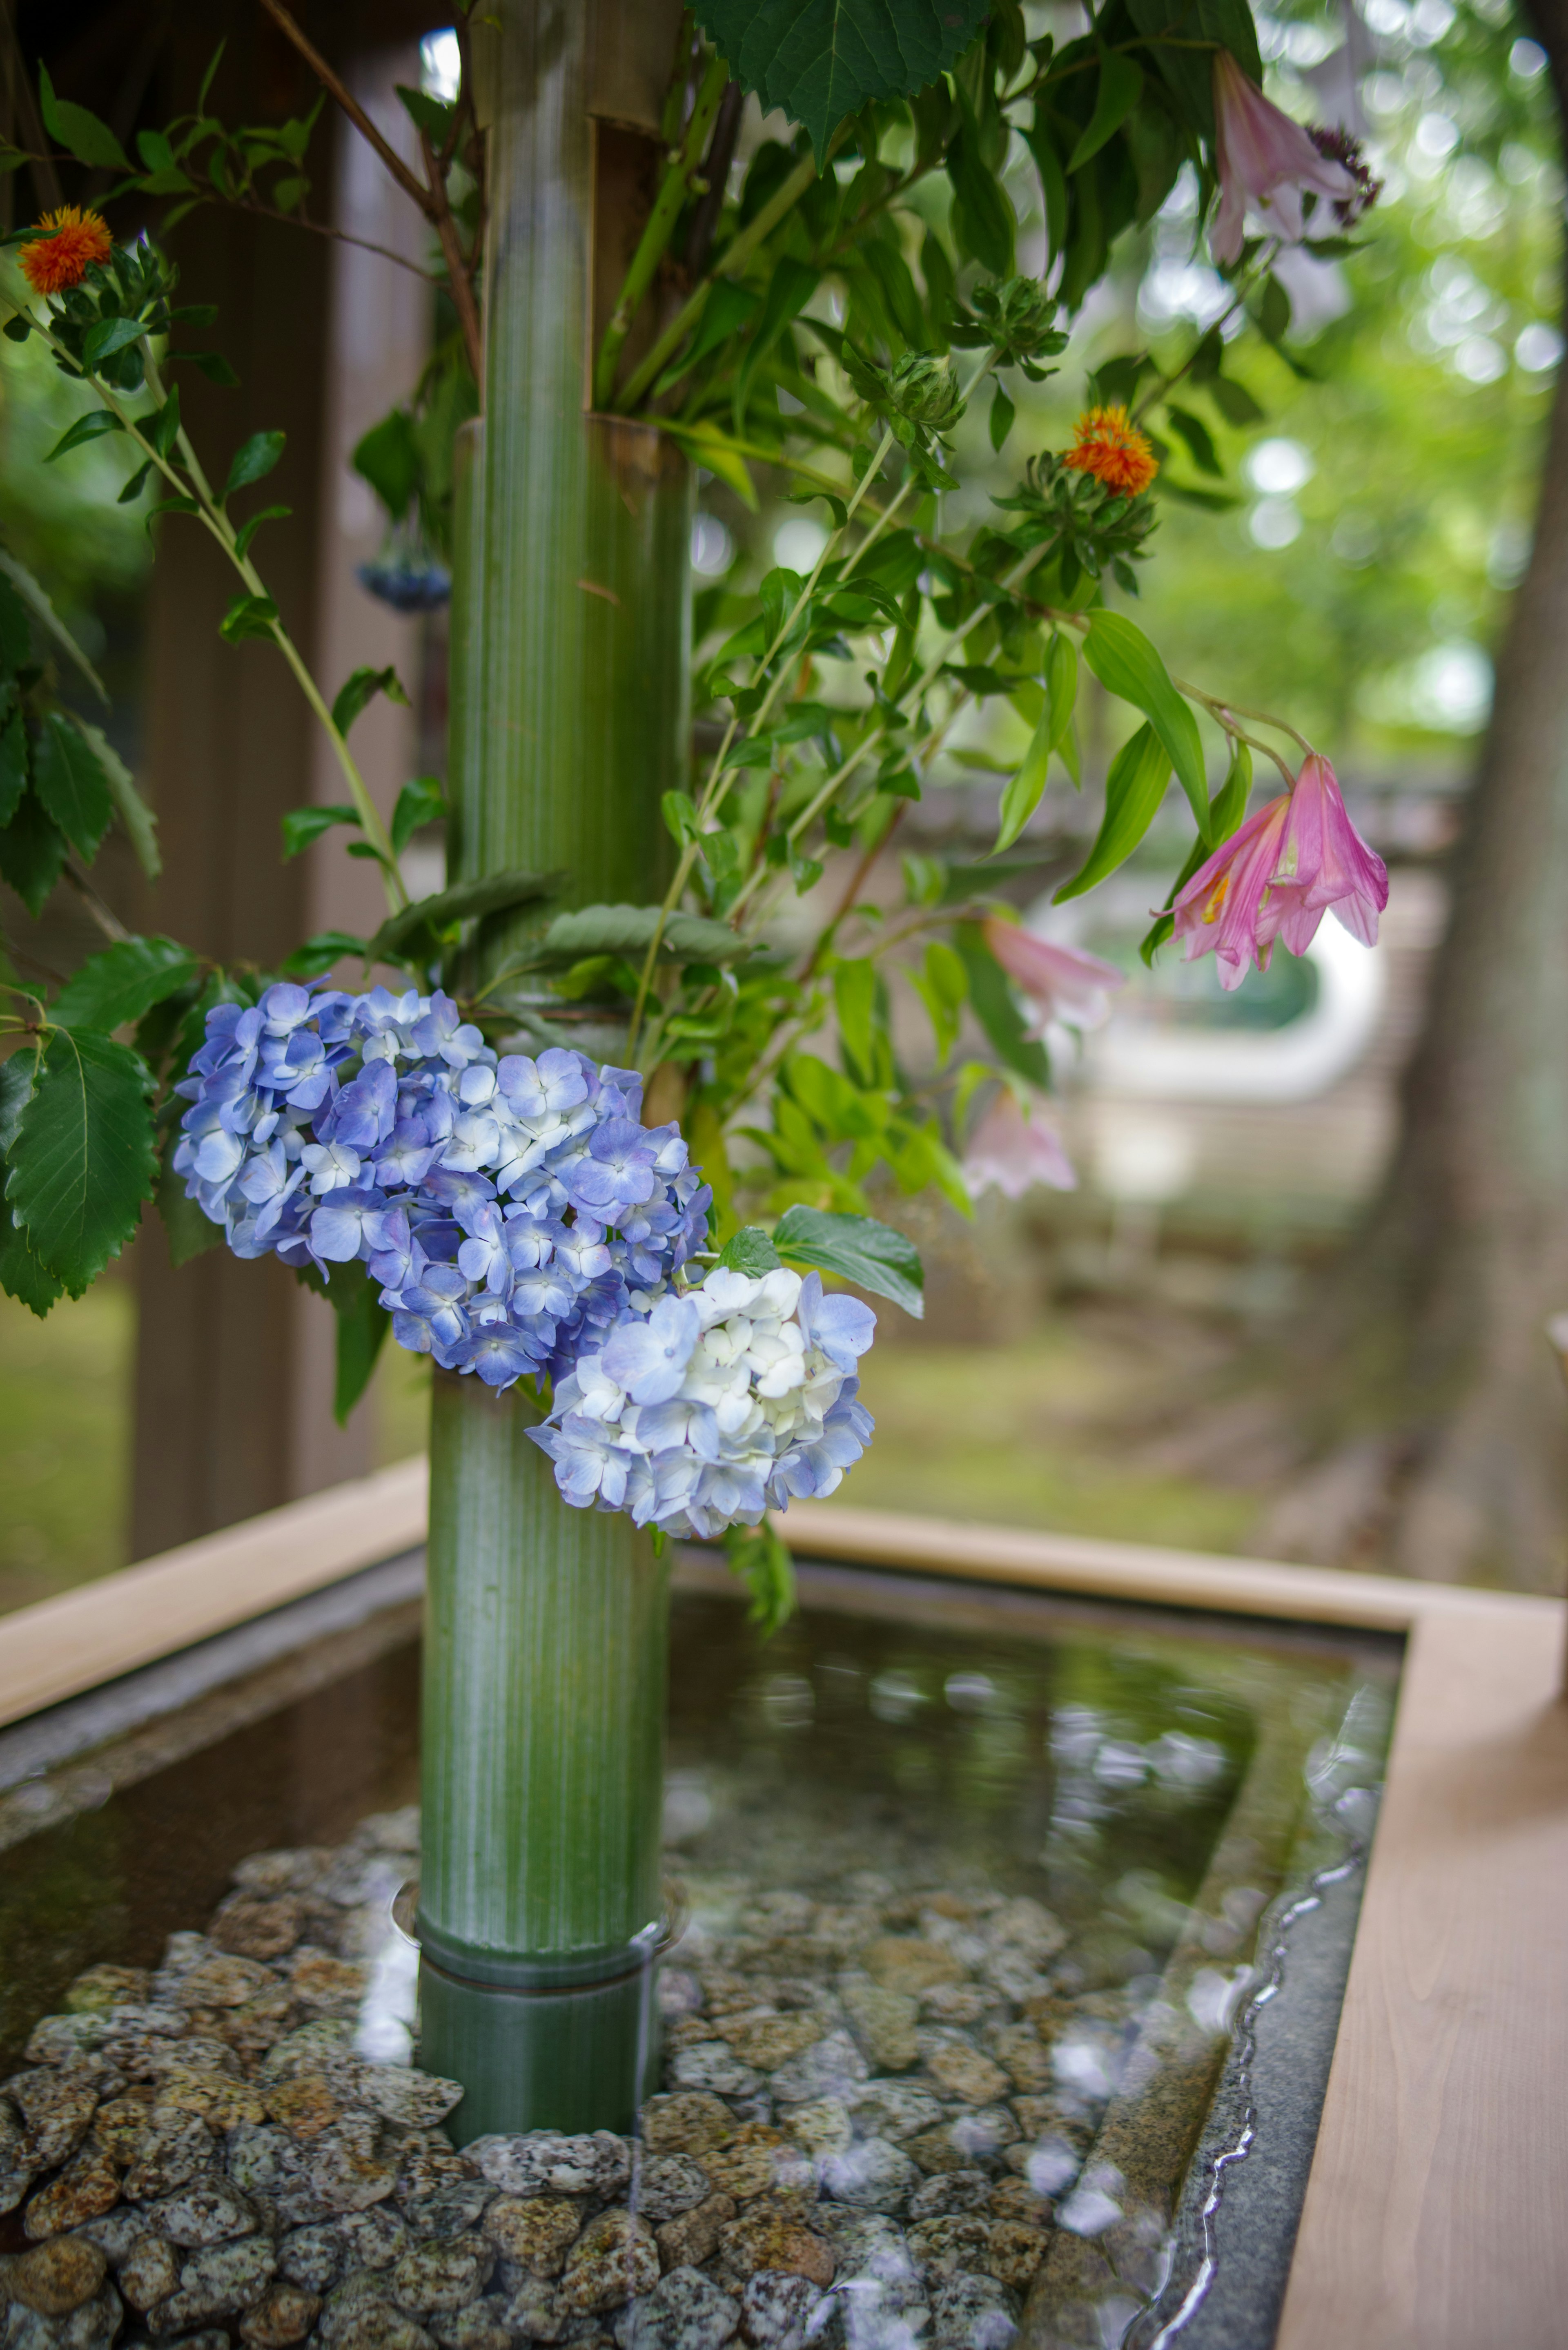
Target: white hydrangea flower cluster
x=725, y=1400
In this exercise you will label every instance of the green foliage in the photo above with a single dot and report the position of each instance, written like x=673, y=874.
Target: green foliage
x=360, y=691
x=760, y=1557
x=822, y=61
x=861, y=1250
x=1135, y=787
x=122, y=983
x=82, y=1161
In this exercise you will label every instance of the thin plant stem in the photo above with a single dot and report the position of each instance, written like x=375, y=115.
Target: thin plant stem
x=660, y=227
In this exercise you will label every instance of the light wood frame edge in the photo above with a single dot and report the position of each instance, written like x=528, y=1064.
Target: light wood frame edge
x=1432, y=2219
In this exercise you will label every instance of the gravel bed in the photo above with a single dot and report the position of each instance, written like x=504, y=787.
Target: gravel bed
x=876, y=2102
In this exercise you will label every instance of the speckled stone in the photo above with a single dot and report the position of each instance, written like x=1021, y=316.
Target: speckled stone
x=93, y=2326
x=952, y=2190
x=220, y=2282
x=777, y=2310
x=217, y=2099
x=874, y=2175
x=249, y=1929
x=208, y=2210
x=67, y=2038
x=305, y=2105
x=750, y=2163
x=686, y=2241
x=765, y=2239
x=962, y=2003
x=1028, y=1926
x=56, y=2108
x=712, y=2064
x=1015, y=2199
x=360, y=2315
x=946, y=2247
x=1015, y=2253
x=884, y=2023
x=689, y=2122
x=535, y=2231
x=614, y=2258
x=400, y=2093
x=822, y=2126
x=54, y=2278
x=437, y=2276
x=317, y=1980
x=149, y=2273
x=477, y=2327
x=222, y=1980
x=685, y=2310
x=542, y=2162
x=105, y=1987
x=669, y=2184
x=343, y=2168
x=312, y=2048
x=87, y=2186
x=267, y=1872
x=971, y=2312
x=832, y=2068
x=449, y=2209
x=767, y=2042
x=284, y=2314
x=910, y=1964
x=959, y=2070
x=895, y=2109
x=116, y=2234
x=1025, y=2057
x=536, y=2311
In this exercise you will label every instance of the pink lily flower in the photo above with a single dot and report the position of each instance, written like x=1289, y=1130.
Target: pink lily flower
x=1265, y=160
x=1060, y=982
x=1297, y=859
x=1010, y=1152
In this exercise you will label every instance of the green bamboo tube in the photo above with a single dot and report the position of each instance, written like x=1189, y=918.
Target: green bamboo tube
x=544, y=1660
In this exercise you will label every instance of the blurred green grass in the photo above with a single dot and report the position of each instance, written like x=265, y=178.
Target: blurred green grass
x=1022, y=1435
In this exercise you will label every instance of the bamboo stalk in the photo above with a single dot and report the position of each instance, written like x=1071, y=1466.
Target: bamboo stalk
x=545, y=1647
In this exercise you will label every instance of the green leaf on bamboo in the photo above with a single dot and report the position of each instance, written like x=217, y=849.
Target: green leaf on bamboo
x=13, y=766
x=254, y=460
x=69, y=780
x=857, y=1248
x=630, y=930
x=421, y=802
x=496, y=893
x=126, y=980
x=360, y=691
x=1127, y=665
x=1134, y=790
x=83, y=1160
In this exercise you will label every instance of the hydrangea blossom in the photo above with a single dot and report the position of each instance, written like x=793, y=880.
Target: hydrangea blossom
x=730, y=1398
x=520, y=1221
x=513, y=1211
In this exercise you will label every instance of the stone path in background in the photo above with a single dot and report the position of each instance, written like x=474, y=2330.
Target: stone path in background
x=869, y=2102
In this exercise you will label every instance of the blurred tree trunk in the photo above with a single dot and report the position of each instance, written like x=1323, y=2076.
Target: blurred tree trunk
x=1438, y=1315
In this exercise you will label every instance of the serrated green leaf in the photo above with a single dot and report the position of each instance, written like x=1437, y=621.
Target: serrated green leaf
x=21, y=1275
x=81, y=134
x=122, y=982
x=1134, y=790
x=83, y=1160
x=33, y=595
x=360, y=691
x=750, y=1251
x=32, y=853
x=91, y=427
x=254, y=460
x=860, y=1249
x=17, y=1073
x=69, y=780
x=141, y=824
x=1127, y=665
x=1117, y=91
x=821, y=61
x=13, y=766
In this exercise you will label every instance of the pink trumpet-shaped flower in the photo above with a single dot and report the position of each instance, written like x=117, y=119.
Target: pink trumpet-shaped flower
x=1009, y=1153
x=1265, y=160
x=1060, y=982
x=1297, y=859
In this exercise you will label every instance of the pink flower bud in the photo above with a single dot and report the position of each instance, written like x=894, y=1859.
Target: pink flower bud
x=1010, y=1152
x=1060, y=982
x=1265, y=160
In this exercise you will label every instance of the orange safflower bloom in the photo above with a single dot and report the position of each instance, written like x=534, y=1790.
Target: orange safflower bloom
x=64, y=256
x=1106, y=444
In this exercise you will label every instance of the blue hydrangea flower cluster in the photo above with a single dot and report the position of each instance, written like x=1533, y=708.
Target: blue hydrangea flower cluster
x=717, y=1403
x=514, y=1211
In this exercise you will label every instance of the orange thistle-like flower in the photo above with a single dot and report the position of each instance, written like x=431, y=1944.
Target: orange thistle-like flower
x=72, y=241
x=1108, y=444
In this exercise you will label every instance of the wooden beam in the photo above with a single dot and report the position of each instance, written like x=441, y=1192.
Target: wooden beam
x=102, y=1629
x=1433, y=2218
